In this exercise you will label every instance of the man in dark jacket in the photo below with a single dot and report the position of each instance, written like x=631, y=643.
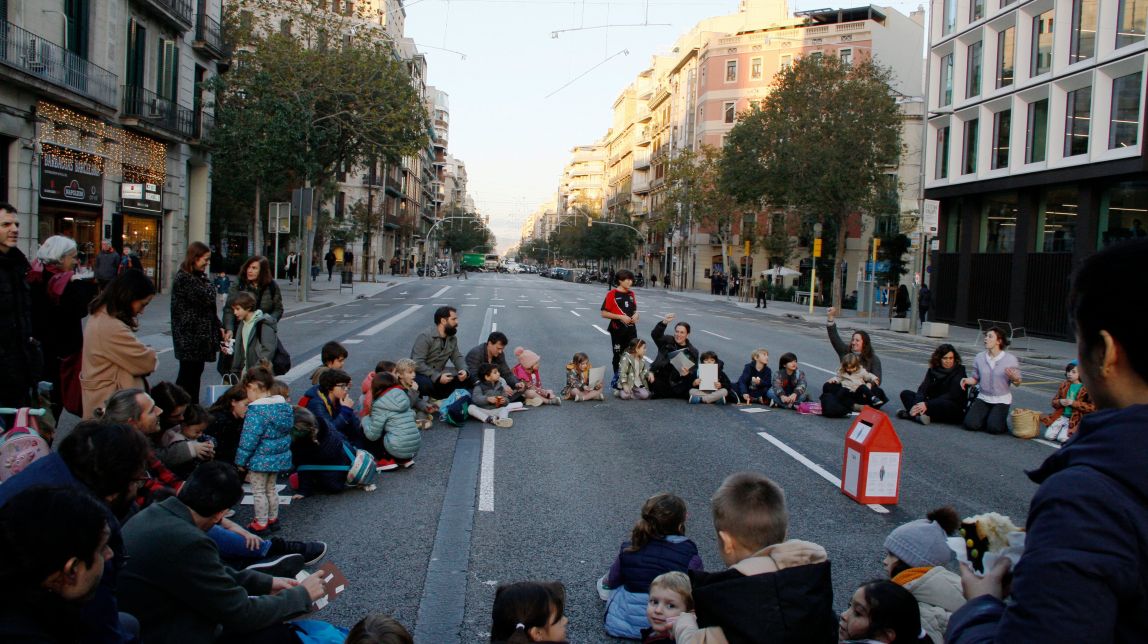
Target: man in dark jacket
x=670, y=382
x=1083, y=576
x=178, y=587
x=492, y=351
x=19, y=352
x=434, y=348
x=107, y=264
x=330, y=259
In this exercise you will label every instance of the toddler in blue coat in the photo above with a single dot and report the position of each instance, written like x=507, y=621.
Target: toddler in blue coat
x=657, y=545
x=264, y=446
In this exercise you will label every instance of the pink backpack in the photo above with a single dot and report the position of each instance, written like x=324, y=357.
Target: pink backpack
x=23, y=444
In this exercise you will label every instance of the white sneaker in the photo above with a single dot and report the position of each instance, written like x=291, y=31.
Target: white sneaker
x=502, y=422
x=1051, y=432
x=534, y=402
x=1062, y=435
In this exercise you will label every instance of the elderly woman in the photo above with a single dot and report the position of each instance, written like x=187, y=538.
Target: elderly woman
x=59, y=305
x=114, y=358
x=195, y=328
x=255, y=278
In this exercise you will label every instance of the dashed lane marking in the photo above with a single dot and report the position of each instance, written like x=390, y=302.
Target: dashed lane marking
x=389, y=321
x=817, y=469
x=353, y=341
x=576, y=313
x=604, y=331
x=715, y=335
x=486, y=474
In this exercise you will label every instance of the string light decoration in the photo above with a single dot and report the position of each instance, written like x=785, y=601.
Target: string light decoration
x=76, y=136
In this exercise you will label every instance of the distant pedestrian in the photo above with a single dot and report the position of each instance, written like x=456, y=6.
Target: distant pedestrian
x=107, y=263
x=761, y=292
x=19, y=351
x=255, y=278
x=994, y=371
x=666, y=281
x=621, y=308
x=940, y=397
x=901, y=303
x=348, y=261
x=382, y=266
x=196, y=330
x=130, y=261
x=315, y=270
x=113, y=357
x=924, y=302
x=222, y=284
x=330, y=259
x=291, y=267
x=654, y=281
x=394, y=265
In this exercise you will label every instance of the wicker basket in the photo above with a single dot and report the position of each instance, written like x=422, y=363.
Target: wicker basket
x=1025, y=423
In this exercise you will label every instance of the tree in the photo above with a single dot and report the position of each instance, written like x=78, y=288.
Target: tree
x=693, y=180
x=893, y=249
x=466, y=235
x=822, y=142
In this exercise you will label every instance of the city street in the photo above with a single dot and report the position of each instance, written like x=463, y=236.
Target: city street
x=554, y=496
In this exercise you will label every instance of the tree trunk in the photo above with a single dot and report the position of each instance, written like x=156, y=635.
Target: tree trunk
x=838, y=258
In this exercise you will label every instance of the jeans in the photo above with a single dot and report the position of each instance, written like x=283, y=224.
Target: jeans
x=233, y=546
x=775, y=399
x=987, y=416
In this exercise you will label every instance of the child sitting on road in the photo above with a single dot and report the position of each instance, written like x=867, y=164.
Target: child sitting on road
x=491, y=390
x=1071, y=402
x=789, y=388
x=634, y=375
x=670, y=596
x=756, y=379
x=852, y=388
x=314, y=444
x=578, y=386
x=527, y=371
x=390, y=432
x=264, y=446
x=383, y=366
x=529, y=611
x=333, y=355
x=425, y=410
x=379, y=629
x=915, y=557
x=758, y=598
x=881, y=611
x=657, y=544
x=184, y=446
x=721, y=388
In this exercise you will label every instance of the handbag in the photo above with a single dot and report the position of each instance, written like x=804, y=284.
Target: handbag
x=212, y=393
x=71, y=394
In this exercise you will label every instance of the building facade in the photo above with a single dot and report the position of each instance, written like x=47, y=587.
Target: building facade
x=1034, y=149
x=103, y=114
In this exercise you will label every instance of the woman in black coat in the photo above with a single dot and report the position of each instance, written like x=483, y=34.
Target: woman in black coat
x=940, y=396
x=226, y=425
x=255, y=277
x=195, y=328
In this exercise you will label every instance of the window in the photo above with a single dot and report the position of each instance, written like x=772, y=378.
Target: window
x=1124, y=123
x=1130, y=22
x=755, y=69
x=976, y=10
x=1002, y=123
x=973, y=86
x=946, y=80
x=1042, y=43
x=1036, y=134
x=1083, y=43
x=998, y=224
x=285, y=27
x=1056, y=227
x=942, y=170
x=1125, y=214
x=167, y=72
x=340, y=205
x=730, y=71
x=969, y=163
x=846, y=56
x=137, y=53
x=1076, y=120
x=816, y=55
x=1006, y=53
x=949, y=17
x=786, y=61
x=729, y=110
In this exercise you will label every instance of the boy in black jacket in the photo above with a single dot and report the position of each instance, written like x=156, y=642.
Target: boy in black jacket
x=774, y=590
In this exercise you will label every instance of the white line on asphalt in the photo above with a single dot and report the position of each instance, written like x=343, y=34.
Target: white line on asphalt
x=484, y=330
x=470, y=305
x=493, y=327
x=817, y=469
x=302, y=369
x=525, y=306
x=389, y=321
x=648, y=359
x=576, y=313
x=604, y=331
x=486, y=474
x=353, y=341
x=582, y=308
x=164, y=350
x=715, y=335
x=554, y=307
x=441, y=291
x=1044, y=442
x=832, y=373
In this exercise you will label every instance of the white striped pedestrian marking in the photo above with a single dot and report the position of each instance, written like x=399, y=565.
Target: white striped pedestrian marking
x=411, y=308
x=493, y=327
x=576, y=313
x=486, y=473
x=715, y=335
x=302, y=369
x=817, y=469
x=600, y=329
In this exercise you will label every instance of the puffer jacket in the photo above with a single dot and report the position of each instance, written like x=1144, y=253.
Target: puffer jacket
x=194, y=324
x=265, y=444
x=632, y=372
x=631, y=574
x=938, y=594
x=393, y=420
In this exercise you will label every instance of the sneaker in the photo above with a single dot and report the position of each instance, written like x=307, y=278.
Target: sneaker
x=924, y=419
x=258, y=529
x=407, y=464
x=1050, y=432
x=502, y=422
x=311, y=551
x=695, y=400
x=876, y=402
x=554, y=401
x=287, y=565
x=386, y=465
x=424, y=424
x=535, y=402
x=902, y=414
x=721, y=401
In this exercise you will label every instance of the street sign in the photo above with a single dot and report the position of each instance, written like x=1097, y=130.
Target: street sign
x=930, y=216
x=817, y=248
x=279, y=217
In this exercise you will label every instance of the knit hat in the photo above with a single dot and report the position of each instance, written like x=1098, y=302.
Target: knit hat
x=920, y=543
x=526, y=357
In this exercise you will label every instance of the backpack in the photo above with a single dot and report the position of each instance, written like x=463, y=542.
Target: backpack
x=455, y=406
x=361, y=471
x=280, y=359
x=21, y=445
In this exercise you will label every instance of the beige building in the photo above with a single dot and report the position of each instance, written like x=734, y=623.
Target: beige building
x=584, y=178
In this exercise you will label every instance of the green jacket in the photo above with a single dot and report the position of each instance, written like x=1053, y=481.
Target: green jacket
x=176, y=585
x=393, y=419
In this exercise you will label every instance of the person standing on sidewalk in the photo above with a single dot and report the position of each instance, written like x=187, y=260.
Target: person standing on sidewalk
x=107, y=264
x=291, y=267
x=255, y=278
x=924, y=301
x=621, y=308
x=196, y=330
x=761, y=289
x=330, y=259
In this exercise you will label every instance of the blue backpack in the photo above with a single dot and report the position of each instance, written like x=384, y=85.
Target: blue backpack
x=454, y=407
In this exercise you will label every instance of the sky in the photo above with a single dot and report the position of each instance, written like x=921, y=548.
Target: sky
x=518, y=98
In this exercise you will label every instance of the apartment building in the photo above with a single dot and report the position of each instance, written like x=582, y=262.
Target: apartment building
x=1034, y=149
x=103, y=114
x=584, y=178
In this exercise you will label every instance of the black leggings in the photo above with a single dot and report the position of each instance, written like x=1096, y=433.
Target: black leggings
x=190, y=375
x=619, y=340
x=992, y=418
x=939, y=410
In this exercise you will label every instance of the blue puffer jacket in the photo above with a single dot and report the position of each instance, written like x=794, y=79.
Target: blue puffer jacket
x=265, y=444
x=626, y=612
x=337, y=416
x=393, y=419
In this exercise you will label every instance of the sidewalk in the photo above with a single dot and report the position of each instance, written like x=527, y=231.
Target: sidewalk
x=1044, y=351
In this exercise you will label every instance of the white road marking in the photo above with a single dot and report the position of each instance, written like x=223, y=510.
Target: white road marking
x=411, y=308
x=493, y=327
x=604, y=331
x=754, y=410
x=582, y=308
x=302, y=369
x=554, y=307
x=832, y=373
x=647, y=358
x=715, y=335
x=525, y=306
x=352, y=341
x=441, y=291
x=486, y=473
x=470, y=305
x=817, y=469
x=1044, y=442
x=576, y=313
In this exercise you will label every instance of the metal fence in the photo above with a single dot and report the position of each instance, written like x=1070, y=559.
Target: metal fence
x=46, y=60
x=146, y=105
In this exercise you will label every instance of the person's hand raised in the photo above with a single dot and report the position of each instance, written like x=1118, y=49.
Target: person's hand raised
x=831, y=313
x=669, y=318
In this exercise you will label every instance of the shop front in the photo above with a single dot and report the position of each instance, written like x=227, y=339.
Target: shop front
x=71, y=194
x=139, y=224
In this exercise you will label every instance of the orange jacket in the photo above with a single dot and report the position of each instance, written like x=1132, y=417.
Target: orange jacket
x=1081, y=406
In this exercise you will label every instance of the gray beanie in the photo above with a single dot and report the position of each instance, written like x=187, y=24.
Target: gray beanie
x=920, y=543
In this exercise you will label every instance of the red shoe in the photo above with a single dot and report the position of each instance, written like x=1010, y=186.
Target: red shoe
x=385, y=465
x=258, y=529
x=293, y=481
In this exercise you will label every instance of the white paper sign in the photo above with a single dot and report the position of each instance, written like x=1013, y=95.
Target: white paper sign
x=860, y=432
x=708, y=374
x=881, y=479
x=852, y=470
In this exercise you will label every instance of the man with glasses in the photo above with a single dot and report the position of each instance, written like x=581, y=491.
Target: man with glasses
x=331, y=403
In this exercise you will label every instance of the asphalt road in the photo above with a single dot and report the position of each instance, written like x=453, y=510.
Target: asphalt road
x=562, y=488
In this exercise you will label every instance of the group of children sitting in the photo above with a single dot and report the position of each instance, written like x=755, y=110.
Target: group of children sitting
x=658, y=591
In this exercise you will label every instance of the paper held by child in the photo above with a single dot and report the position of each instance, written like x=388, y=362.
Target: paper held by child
x=708, y=375
x=681, y=360
x=597, y=374
x=333, y=579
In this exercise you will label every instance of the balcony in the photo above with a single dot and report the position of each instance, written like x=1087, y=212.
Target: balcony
x=209, y=37
x=178, y=13
x=204, y=124
x=31, y=54
x=147, y=107
x=642, y=160
x=393, y=186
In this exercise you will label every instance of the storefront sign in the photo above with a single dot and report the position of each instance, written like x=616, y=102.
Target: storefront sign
x=142, y=197
x=71, y=176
